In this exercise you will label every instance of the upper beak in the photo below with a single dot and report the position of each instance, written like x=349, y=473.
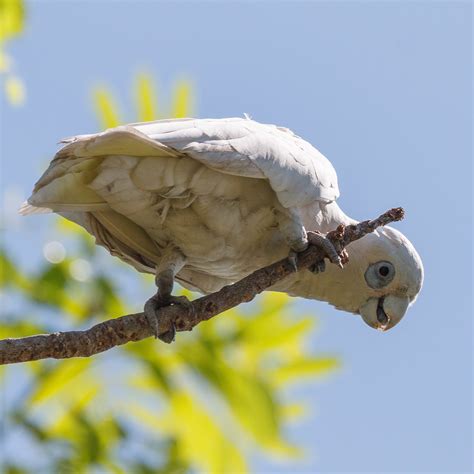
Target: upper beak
x=385, y=312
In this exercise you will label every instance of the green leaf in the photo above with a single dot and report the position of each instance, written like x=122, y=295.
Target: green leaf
x=268, y=332
x=12, y=16
x=145, y=98
x=304, y=367
x=106, y=108
x=182, y=100
x=252, y=403
x=92, y=449
x=9, y=273
x=56, y=378
x=14, y=328
x=202, y=440
x=15, y=90
x=48, y=287
x=249, y=398
x=106, y=298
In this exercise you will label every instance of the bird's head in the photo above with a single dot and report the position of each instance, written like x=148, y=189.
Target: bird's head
x=385, y=275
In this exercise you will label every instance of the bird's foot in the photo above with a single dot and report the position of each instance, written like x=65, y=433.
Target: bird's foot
x=152, y=313
x=319, y=240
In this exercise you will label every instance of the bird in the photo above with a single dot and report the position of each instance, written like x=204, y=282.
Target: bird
x=206, y=202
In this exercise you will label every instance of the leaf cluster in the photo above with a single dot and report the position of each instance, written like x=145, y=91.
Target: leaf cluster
x=205, y=402
x=12, y=17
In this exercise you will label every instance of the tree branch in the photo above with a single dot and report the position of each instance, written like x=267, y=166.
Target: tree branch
x=134, y=327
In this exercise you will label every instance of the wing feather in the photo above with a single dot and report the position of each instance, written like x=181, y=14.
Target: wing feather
x=297, y=172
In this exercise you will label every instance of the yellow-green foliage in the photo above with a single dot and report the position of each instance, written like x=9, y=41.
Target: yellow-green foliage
x=202, y=404
x=11, y=18
x=11, y=24
x=146, y=101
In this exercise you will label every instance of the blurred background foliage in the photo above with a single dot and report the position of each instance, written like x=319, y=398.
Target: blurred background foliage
x=12, y=16
x=203, y=404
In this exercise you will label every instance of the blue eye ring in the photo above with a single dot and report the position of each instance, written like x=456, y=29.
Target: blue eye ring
x=379, y=274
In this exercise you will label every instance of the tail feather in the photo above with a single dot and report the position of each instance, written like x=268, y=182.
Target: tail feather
x=27, y=209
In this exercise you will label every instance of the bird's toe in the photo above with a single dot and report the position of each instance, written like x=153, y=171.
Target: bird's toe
x=318, y=267
x=293, y=259
x=318, y=239
x=152, y=313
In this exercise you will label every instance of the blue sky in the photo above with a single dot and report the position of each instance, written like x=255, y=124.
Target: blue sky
x=383, y=89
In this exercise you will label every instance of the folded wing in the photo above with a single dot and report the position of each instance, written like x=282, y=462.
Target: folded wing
x=119, y=184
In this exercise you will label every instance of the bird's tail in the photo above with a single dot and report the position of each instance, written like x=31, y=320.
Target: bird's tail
x=27, y=209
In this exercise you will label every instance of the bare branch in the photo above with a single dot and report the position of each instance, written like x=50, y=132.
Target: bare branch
x=134, y=327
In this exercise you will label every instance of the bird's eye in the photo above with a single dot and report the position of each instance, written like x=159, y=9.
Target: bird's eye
x=379, y=274
x=384, y=271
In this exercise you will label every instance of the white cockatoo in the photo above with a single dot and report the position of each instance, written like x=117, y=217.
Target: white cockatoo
x=208, y=201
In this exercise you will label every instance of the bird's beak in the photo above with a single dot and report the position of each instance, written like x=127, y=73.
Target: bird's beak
x=385, y=312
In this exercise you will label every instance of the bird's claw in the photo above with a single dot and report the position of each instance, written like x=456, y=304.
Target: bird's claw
x=344, y=257
x=319, y=240
x=151, y=310
x=293, y=259
x=318, y=267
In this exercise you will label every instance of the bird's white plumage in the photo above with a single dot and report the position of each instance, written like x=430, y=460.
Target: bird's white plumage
x=231, y=194
x=297, y=172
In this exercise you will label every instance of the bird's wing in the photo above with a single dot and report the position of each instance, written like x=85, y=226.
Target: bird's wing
x=65, y=183
x=296, y=171
x=64, y=188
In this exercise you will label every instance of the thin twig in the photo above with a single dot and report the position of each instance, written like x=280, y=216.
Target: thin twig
x=134, y=327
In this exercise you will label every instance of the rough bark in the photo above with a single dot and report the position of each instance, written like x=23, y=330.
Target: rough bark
x=134, y=327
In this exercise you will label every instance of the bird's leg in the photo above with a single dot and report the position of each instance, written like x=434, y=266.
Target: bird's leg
x=171, y=263
x=291, y=226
